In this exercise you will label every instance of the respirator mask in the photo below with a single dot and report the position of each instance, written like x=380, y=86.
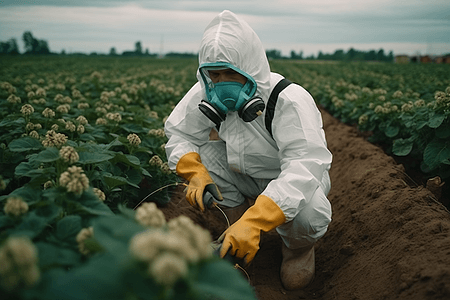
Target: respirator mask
x=226, y=96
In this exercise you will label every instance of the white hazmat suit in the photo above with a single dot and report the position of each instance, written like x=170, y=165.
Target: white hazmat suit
x=291, y=168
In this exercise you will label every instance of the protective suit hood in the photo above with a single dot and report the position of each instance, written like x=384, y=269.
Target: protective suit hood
x=231, y=40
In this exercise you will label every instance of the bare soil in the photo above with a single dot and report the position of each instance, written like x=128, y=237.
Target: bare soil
x=389, y=237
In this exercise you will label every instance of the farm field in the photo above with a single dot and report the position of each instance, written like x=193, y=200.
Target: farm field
x=81, y=146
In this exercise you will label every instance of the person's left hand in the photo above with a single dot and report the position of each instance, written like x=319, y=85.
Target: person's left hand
x=242, y=238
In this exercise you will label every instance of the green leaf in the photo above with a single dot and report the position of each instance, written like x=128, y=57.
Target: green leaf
x=436, y=120
x=25, y=168
x=436, y=152
x=99, y=278
x=114, y=233
x=220, y=279
x=402, y=147
x=114, y=181
x=51, y=256
x=28, y=169
x=25, y=144
x=443, y=132
x=92, y=158
x=87, y=137
x=28, y=194
x=48, y=210
x=391, y=130
x=48, y=155
x=134, y=128
x=89, y=202
x=32, y=225
x=127, y=159
x=134, y=176
x=5, y=221
x=68, y=227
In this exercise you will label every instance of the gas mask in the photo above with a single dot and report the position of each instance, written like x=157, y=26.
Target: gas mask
x=226, y=96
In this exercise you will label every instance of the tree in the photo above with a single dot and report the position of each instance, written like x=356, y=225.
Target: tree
x=380, y=55
x=34, y=46
x=138, y=48
x=338, y=55
x=296, y=56
x=9, y=47
x=112, y=51
x=273, y=54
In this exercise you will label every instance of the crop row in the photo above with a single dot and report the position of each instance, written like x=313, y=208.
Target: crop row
x=404, y=108
x=81, y=147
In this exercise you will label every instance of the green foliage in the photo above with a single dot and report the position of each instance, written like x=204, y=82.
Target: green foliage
x=80, y=158
x=405, y=108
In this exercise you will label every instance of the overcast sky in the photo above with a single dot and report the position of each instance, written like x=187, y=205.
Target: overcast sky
x=401, y=26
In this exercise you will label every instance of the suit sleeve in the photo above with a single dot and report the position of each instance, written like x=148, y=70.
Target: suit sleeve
x=186, y=128
x=303, y=153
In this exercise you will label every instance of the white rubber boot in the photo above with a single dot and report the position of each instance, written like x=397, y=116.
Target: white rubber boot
x=297, y=267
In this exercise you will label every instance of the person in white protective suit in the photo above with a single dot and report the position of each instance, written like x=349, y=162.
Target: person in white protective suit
x=286, y=173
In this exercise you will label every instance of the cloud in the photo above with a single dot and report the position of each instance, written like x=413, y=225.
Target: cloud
x=287, y=24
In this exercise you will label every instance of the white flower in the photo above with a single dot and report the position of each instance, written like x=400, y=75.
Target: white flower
x=15, y=206
x=99, y=193
x=168, y=268
x=27, y=110
x=34, y=134
x=74, y=180
x=69, y=154
x=84, y=234
x=18, y=264
x=155, y=161
x=134, y=139
x=165, y=168
x=82, y=120
x=148, y=214
x=53, y=139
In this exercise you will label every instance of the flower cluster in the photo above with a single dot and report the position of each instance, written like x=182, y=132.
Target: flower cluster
x=8, y=87
x=99, y=193
x=82, y=236
x=70, y=126
x=157, y=132
x=32, y=126
x=83, y=105
x=148, y=214
x=82, y=120
x=48, y=113
x=69, y=154
x=168, y=253
x=13, y=99
x=155, y=161
x=27, y=110
x=116, y=117
x=53, y=139
x=15, y=206
x=63, y=108
x=363, y=119
x=18, y=261
x=74, y=180
x=134, y=139
x=101, y=121
x=165, y=168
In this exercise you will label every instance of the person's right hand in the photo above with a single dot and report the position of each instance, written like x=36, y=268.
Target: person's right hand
x=190, y=167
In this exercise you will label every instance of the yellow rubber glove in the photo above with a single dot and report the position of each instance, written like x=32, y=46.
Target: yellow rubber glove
x=242, y=238
x=190, y=167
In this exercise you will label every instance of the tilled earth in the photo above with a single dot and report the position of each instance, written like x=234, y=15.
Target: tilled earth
x=389, y=237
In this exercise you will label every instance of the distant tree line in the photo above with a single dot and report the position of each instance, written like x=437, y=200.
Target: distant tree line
x=341, y=55
x=36, y=46
x=32, y=45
